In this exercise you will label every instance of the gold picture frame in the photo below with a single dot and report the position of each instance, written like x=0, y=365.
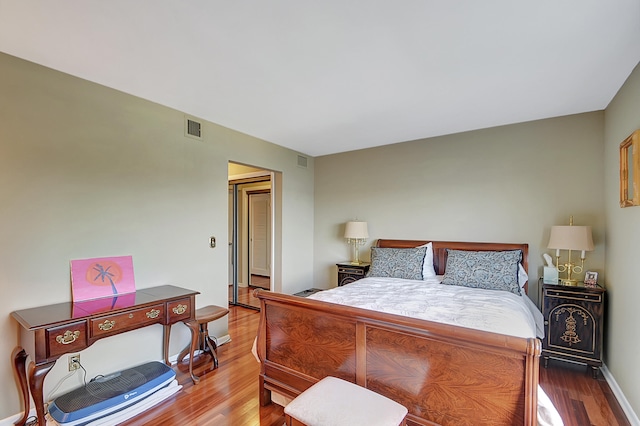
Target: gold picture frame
x=630, y=170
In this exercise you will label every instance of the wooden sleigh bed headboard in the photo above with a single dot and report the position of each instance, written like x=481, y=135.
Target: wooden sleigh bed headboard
x=443, y=374
x=440, y=250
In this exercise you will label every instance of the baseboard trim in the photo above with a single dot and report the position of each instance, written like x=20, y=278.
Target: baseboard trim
x=10, y=421
x=222, y=339
x=622, y=400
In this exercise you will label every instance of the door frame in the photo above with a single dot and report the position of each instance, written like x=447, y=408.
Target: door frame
x=275, y=185
x=246, y=266
x=266, y=195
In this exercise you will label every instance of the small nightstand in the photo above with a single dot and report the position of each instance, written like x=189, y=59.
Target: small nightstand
x=348, y=273
x=573, y=320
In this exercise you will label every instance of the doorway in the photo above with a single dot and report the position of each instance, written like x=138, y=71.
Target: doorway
x=250, y=233
x=260, y=239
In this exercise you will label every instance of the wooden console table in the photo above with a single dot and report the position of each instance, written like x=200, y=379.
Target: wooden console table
x=48, y=332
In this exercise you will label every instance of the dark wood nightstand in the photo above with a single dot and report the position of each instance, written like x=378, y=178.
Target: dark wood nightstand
x=574, y=324
x=348, y=273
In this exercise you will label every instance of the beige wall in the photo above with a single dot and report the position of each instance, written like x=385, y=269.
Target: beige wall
x=87, y=171
x=504, y=184
x=622, y=117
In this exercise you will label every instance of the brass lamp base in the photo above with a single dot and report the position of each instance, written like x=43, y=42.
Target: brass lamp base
x=570, y=283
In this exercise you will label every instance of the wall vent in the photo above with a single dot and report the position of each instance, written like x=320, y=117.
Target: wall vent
x=192, y=128
x=302, y=161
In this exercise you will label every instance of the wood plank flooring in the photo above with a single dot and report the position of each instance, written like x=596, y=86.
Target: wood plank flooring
x=245, y=294
x=229, y=394
x=580, y=399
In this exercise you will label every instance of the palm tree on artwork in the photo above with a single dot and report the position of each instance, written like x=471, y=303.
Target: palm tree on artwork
x=103, y=273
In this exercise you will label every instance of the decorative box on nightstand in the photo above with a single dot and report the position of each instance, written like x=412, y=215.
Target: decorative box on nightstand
x=573, y=319
x=348, y=273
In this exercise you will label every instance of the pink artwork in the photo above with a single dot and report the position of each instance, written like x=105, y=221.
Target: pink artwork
x=101, y=277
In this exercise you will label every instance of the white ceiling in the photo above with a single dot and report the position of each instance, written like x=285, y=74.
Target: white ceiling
x=327, y=76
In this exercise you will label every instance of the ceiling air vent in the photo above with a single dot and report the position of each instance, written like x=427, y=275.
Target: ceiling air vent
x=192, y=128
x=302, y=161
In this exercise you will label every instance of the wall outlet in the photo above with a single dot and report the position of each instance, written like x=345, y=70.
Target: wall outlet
x=74, y=362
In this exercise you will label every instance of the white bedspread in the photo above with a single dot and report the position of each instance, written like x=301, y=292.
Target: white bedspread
x=489, y=310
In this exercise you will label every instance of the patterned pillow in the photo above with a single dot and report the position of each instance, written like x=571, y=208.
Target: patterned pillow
x=492, y=270
x=397, y=263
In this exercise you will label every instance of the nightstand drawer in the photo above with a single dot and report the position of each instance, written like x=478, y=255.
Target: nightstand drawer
x=351, y=271
x=571, y=295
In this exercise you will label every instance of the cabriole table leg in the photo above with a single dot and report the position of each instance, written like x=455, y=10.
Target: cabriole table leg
x=37, y=373
x=195, y=330
x=19, y=357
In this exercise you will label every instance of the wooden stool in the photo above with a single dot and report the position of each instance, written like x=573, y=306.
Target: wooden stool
x=336, y=402
x=205, y=343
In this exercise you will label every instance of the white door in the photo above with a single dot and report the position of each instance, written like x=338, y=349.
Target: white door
x=260, y=234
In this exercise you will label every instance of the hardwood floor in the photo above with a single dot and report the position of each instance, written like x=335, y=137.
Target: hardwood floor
x=245, y=294
x=260, y=281
x=580, y=399
x=229, y=394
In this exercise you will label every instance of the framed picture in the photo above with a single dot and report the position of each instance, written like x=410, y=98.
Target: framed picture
x=630, y=170
x=590, y=279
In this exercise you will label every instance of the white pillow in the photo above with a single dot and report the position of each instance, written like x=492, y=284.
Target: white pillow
x=428, y=273
x=522, y=275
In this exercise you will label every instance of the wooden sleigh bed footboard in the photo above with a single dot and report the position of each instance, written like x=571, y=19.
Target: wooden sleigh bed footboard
x=443, y=374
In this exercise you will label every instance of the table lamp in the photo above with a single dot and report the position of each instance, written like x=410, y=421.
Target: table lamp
x=356, y=234
x=570, y=238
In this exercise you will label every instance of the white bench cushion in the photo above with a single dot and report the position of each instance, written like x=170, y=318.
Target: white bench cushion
x=336, y=402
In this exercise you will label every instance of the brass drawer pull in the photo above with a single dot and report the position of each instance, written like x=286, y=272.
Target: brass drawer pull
x=68, y=337
x=154, y=313
x=106, y=325
x=180, y=309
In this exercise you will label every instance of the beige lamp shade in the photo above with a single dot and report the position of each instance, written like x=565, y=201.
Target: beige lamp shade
x=356, y=230
x=571, y=238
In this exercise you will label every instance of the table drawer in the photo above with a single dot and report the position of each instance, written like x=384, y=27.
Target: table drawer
x=179, y=310
x=117, y=323
x=66, y=338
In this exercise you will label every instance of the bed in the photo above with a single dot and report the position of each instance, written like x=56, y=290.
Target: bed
x=443, y=373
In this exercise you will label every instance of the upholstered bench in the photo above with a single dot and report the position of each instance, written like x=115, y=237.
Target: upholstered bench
x=336, y=402
x=207, y=345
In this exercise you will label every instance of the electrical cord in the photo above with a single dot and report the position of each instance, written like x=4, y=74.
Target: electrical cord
x=57, y=386
x=84, y=377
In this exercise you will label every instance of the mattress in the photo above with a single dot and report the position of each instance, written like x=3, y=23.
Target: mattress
x=488, y=310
